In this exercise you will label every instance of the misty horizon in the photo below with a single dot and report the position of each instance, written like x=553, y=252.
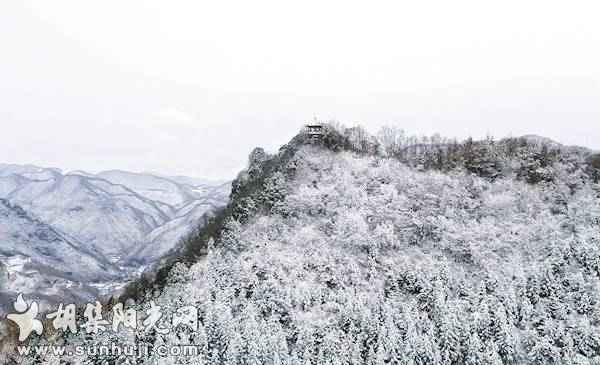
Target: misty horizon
x=188, y=89
x=216, y=179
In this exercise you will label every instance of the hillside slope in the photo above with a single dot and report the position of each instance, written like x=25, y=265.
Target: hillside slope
x=44, y=264
x=369, y=260
x=339, y=255
x=82, y=214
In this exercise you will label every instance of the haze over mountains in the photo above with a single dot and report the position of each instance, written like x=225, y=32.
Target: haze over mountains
x=79, y=234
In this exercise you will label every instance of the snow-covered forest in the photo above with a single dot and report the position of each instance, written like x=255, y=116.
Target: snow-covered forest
x=389, y=250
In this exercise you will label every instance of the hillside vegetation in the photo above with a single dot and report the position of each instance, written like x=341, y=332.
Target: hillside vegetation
x=392, y=250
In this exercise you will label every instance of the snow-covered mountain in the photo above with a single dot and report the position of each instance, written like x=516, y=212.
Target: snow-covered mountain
x=332, y=251
x=96, y=227
x=43, y=262
x=481, y=252
x=151, y=187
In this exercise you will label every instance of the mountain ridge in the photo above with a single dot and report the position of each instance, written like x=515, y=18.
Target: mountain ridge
x=109, y=220
x=338, y=138
x=349, y=249
x=481, y=252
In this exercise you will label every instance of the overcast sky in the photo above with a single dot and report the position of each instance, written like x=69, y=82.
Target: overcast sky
x=190, y=87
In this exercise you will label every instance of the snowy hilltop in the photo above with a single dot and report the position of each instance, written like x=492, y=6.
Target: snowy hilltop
x=81, y=235
x=354, y=249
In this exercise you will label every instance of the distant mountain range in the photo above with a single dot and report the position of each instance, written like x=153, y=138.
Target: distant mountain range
x=78, y=234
